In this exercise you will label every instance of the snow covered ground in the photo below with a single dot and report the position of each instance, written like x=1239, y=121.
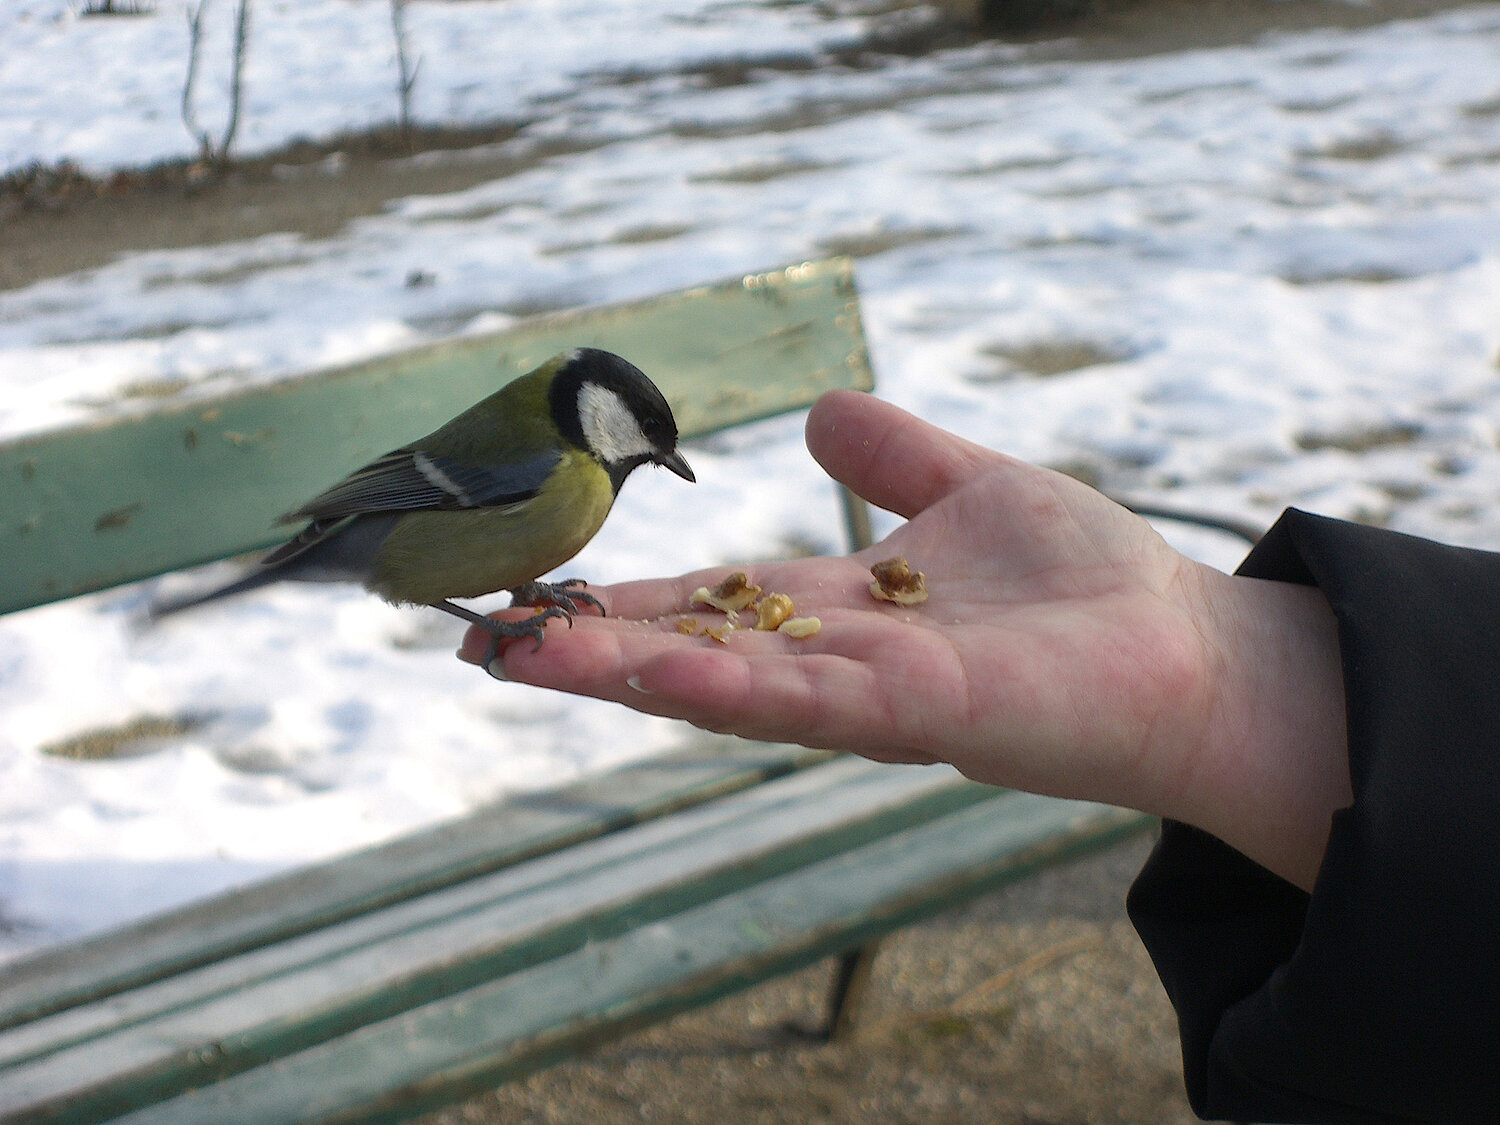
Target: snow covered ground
x=1234, y=278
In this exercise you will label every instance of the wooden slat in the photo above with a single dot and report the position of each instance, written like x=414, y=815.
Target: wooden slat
x=161, y=1039
x=96, y=506
x=322, y=894
x=467, y=1043
x=846, y=788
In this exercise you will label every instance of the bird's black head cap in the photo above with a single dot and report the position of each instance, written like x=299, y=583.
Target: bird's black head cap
x=606, y=405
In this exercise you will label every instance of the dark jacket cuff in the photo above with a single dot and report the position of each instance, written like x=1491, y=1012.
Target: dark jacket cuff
x=1377, y=998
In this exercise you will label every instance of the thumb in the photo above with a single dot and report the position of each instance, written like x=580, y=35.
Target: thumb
x=891, y=458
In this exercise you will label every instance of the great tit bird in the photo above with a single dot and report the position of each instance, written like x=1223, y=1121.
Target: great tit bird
x=511, y=488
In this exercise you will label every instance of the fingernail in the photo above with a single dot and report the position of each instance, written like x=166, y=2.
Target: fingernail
x=496, y=668
x=634, y=683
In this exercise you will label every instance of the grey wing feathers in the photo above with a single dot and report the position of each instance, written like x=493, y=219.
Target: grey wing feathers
x=410, y=479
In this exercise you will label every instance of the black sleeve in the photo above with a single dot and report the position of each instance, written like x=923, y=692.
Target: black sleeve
x=1377, y=998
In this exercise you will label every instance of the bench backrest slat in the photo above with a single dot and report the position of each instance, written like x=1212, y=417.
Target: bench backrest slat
x=95, y=506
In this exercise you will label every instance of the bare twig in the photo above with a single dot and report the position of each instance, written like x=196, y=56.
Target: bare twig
x=1033, y=964
x=1000, y=981
x=195, y=46
x=208, y=151
x=407, y=69
x=236, y=82
x=116, y=8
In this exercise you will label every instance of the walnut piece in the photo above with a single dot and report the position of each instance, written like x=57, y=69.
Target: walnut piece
x=772, y=610
x=731, y=595
x=895, y=581
x=800, y=626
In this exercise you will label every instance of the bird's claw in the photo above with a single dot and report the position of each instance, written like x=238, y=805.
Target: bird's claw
x=558, y=596
x=549, y=599
x=533, y=627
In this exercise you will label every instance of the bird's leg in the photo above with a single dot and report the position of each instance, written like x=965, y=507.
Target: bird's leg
x=556, y=595
x=504, y=630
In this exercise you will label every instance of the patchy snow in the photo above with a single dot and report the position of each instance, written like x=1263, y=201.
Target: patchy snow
x=1232, y=279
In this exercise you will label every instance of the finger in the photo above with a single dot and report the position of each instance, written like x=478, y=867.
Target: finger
x=760, y=686
x=652, y=608
x=817, y=699
x=604, y=659
x=891, y=458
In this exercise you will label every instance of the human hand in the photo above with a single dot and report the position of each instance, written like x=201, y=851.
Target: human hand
x=1065, y=648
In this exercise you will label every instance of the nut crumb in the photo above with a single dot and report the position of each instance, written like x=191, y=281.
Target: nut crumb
x=800, y=626
x=731, y=595
x=687, y=626
x=721, y=633
x=895, y=581
x=772, y=610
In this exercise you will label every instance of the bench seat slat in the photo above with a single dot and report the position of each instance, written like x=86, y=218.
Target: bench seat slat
x=516, y=904
x=319, y=895
x=222, y=1018
x=497, y=1031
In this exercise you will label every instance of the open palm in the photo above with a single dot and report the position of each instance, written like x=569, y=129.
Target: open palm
x=1057, y=651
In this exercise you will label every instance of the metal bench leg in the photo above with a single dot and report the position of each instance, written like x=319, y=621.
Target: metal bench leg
x=851, y=977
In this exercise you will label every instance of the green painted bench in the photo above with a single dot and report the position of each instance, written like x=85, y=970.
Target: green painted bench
x=400, y=978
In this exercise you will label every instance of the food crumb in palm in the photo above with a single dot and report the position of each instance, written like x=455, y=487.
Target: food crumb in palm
x=895, y=581
x=731, y=595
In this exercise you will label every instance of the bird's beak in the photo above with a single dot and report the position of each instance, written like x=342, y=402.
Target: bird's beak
x=678, y=464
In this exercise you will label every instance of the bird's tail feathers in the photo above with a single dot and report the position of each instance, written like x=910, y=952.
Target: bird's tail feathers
x=260, y=576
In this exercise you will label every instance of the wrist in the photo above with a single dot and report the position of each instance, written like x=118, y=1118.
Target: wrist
x=1271, y=766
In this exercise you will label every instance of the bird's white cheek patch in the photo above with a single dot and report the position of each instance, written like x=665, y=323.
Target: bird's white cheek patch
x=611, y=429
